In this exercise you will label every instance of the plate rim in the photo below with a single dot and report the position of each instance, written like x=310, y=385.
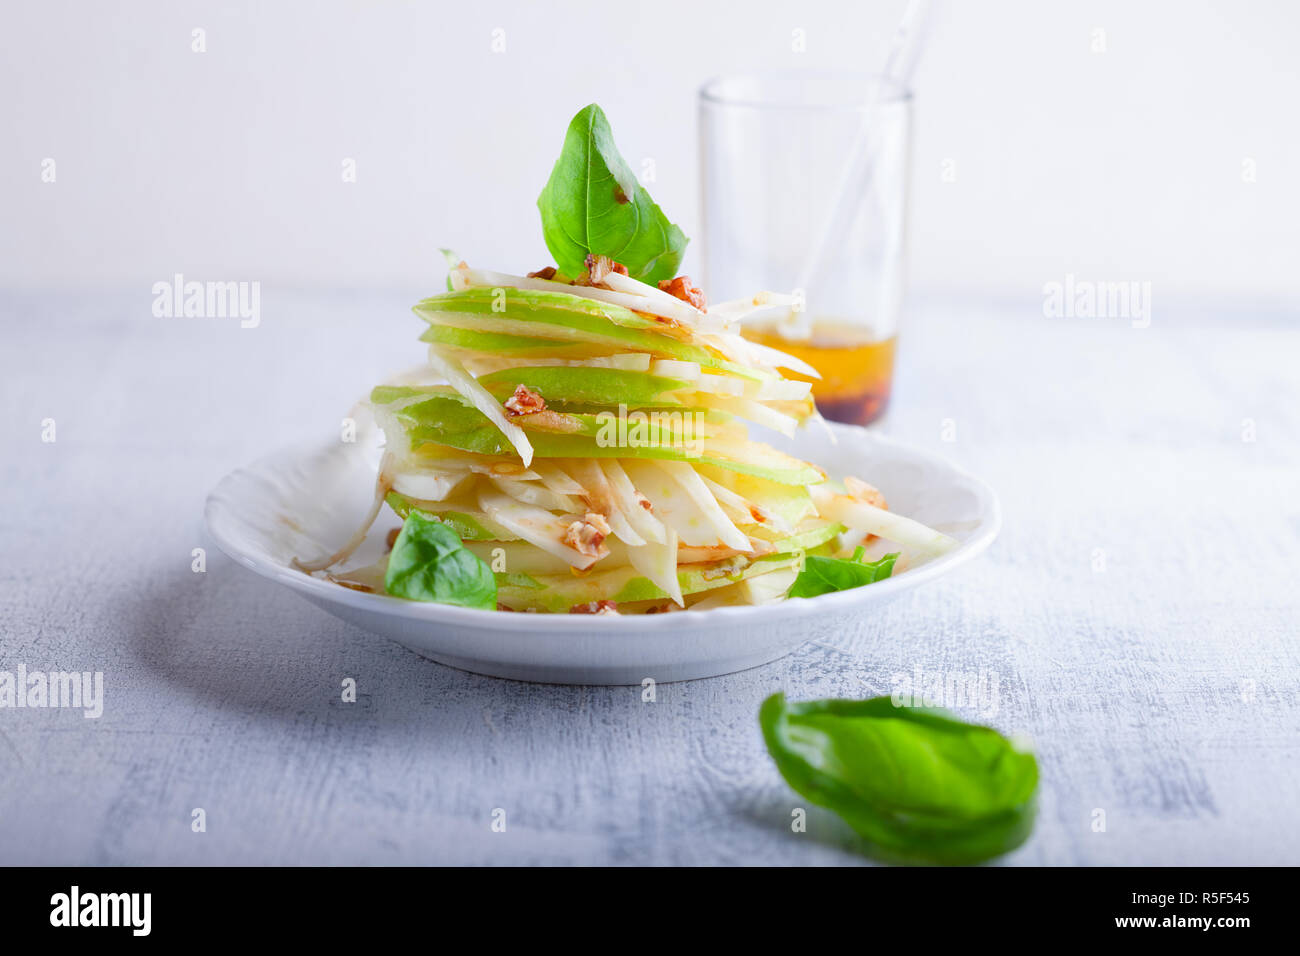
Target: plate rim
x=477, y=619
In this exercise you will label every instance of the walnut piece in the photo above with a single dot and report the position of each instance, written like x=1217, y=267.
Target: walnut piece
x=597, y=268
x=585, y=536
x=595, y=607
x=524, y=402
x=681, y=288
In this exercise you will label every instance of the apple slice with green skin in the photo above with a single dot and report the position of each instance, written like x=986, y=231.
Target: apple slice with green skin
x=812, y=534
x=791, y=503
x=761, y=589
x=431, y=410
x=548, y=307
x=580, y=389
x=512, y=346
x=445, y=418
x=742, y=456
x=558, y=593
x=522, y=558
x=468, y=522
x=586, y=386
x=569, y=319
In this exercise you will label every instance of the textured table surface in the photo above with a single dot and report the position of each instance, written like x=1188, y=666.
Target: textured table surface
x=1138, y=612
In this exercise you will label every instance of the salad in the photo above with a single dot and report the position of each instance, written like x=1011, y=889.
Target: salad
x=578, y=441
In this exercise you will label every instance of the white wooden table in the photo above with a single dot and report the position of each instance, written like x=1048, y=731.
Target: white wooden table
x=1138, y=611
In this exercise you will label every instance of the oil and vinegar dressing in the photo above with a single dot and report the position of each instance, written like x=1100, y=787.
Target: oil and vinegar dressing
x=857, y=369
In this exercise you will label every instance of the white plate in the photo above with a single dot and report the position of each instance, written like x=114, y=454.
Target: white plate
x=305, y=502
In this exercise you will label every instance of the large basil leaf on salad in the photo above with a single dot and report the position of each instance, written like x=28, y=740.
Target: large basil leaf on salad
x=917, y=784
x=430, y=563
x=594, y=204
x=822, y=575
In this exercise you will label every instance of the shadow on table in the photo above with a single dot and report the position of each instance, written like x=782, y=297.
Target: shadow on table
x=244, y=644
x=773, y=813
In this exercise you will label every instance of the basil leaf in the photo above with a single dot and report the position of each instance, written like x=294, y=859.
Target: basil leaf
x=917, y=784
x=429, y=563
x=822, y=575
x=593, y=204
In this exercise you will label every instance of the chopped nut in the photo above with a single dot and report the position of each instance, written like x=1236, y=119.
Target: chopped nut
x=392, y=537
x=597, y=268
x=605, y=265
x=681, y=288
x=524, y=402
x=547, y=273
x=585, y=536
x=595, y=607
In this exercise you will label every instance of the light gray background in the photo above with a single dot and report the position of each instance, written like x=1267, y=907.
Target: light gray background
x=1139, y=609
x=1125, y=164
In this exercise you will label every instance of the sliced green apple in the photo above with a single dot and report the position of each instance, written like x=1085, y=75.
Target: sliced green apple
x=545, y=306
x=586, y=386
x=811, y=534
x=559, y=593
x=568, y=319
x=513, y=346
x=468, y=522
x=790, y=503
x=438, y=413
x=521, y=557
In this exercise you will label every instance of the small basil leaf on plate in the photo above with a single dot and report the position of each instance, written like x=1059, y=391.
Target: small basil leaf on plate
x=594, y=204
x=919, y=785
x=822, y=575
x=430, y=563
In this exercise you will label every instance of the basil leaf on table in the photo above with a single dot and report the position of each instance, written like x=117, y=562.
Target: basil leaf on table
x=917, y=784
x=821, y=575
x=430, y=563
x=594, y=204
